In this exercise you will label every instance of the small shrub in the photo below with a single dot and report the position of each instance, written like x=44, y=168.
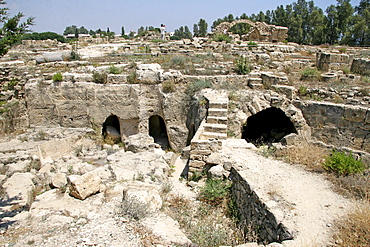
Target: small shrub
x=342, y=49
x=302, y=90
x=10, y=85
x=168, y=86
x=197, y=86
x=100, y=78
x=75, y=56
x=134, y=208
x=222, y=37
x=215, y=191
x=242, y=66
x=252, y=44
x=132, y=78
x=58, y=77
x=310, y=74
x=196, y=176
x=114, y=70
x=343, y=164
x=178, y=62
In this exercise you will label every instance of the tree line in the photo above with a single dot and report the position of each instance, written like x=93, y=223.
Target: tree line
x=309, y=24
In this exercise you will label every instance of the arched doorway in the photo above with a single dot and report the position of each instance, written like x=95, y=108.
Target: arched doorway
x=267, y=126
x=157, y=130
x=111, y=129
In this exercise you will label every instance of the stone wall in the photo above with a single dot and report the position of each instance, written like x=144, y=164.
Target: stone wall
x=361, y=66
x=80, y=104
x=337, y=124
x=255, y=215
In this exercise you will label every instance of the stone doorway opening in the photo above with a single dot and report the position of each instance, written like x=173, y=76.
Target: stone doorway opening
x=111, y=129
x=267, y=126
x=157, y=130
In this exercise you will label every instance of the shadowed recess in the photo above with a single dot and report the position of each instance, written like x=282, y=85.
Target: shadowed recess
x=267, y=126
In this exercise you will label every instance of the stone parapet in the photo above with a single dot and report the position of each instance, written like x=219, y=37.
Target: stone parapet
x=254, y=214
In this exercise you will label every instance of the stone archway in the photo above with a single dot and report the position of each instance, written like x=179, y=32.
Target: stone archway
x=267, y=126
x=158, y=130
x=111, y=129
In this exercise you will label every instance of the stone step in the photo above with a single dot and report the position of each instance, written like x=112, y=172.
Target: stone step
x=218, y=105
x=219, y=136
x=217, y=120
x=217, y=128
x=213, y=112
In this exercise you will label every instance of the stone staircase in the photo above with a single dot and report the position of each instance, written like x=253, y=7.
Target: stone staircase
x=216, y=122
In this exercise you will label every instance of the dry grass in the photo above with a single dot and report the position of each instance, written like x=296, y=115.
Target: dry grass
x=354, y=230
x=204, y=224
x=305, y=154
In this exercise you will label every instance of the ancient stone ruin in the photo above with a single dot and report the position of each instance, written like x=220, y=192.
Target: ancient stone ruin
x=259, y=31
x=185, y=97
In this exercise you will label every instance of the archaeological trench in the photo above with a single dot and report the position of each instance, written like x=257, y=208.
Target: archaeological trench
x=265, y=106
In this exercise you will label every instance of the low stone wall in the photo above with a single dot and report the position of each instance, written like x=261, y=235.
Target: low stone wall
x=254, y=214
x=337, y=124
x=201, y=149
x=361, y=66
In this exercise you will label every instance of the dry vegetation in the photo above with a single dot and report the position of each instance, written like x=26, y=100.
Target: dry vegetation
x=355, y=228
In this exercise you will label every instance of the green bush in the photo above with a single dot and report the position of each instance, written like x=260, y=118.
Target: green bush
x=100, y=78
x=168, y=86
x=196, y=86
x=252, y=44
x=222, y=37
x=302, y=90
x=215, y=191
x=242, y=66
x=58, y=77
x=74, y=56
x=342, y=164
x=114, y=70
x=309, y=74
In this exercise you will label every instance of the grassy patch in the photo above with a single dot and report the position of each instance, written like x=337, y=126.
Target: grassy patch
x=58, y=77
x=242, y=66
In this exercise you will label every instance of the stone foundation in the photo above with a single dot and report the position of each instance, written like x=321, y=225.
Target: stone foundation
x=254, y=214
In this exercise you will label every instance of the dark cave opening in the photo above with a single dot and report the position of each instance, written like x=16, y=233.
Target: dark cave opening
x=157, y=130
x=267, y=126
x=111, y=129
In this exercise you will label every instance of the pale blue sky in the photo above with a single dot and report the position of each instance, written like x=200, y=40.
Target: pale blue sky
x=55, y=15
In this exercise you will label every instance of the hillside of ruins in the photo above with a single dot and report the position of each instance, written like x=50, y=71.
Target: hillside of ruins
x=96, y=129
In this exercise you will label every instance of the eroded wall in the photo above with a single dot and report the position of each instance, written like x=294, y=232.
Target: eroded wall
x=337, y=124
x=81, y=104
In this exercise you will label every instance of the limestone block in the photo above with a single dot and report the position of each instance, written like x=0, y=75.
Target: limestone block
x=214, y=158
x=291, y=139
x=167, y=229
x=116, y=79
x=139, y=142
x=216, y=172
x=19, y=187
x=104, y=173
x=53, y=56
x=149, y=73
x=83, y=186
x=20, y=166
x=58, y=180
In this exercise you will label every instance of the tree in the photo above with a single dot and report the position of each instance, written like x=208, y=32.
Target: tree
x=76, y=33
x=203, y=27
x=12, y=29
x=122, y=31
x=43, y=36
x=182, y=33
x=196, y=30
